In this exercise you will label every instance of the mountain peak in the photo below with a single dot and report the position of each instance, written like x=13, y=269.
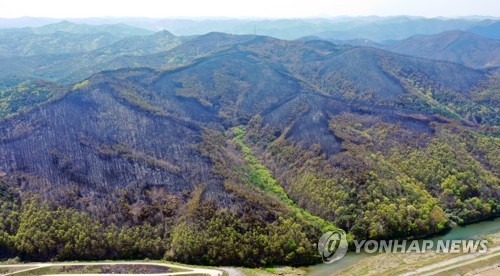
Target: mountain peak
x=164, y=33
x=64, y=23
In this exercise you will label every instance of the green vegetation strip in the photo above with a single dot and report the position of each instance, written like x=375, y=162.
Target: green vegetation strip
x=261, y=177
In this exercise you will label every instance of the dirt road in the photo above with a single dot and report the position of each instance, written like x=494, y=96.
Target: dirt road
x=455, y=262
x=189, y=270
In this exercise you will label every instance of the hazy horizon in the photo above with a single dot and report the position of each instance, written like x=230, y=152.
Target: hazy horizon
x=259, y=9
x=339, y=17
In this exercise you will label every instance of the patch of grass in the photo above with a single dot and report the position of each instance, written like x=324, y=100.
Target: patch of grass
x=39, y=271
x=81, y=85
x=258, y=174
x=7, y=270
x=15, y=260
x=270, y=269
x=278, y=270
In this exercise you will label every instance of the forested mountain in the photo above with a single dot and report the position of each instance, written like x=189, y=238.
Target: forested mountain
x=67, y=58
x=351, y=42
x=460, y=47
x=234, y=149
x=20, y=44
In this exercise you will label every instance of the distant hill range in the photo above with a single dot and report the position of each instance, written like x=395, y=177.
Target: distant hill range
x=465, y=48
x=491, y=29
x=460, y=47
x=118, y=30
x=374, y=28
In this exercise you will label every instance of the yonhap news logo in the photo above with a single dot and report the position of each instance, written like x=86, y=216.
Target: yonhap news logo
x=332, y=246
